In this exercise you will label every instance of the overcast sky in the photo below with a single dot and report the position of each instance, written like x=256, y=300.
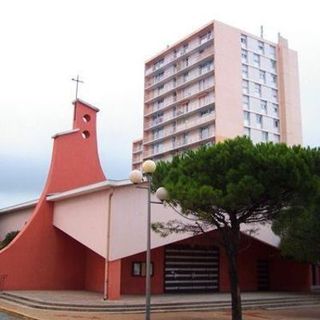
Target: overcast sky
x=46, y=43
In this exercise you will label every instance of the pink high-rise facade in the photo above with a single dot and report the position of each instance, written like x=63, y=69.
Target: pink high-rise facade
x=218, y=83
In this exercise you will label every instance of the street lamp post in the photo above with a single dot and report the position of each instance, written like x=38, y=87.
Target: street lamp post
x=136, y=177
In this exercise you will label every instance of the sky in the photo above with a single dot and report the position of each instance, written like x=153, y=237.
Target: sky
x=46, y=43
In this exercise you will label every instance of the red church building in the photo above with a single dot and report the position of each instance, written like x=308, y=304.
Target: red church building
x=86, y=232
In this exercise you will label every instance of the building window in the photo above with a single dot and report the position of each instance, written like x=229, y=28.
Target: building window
x=275, y=108
x=256, y=60
x=262, y=76
x=186, y=62
x=259, y=120
x=244, y=41
x=246, y=102
x=203, y=100
x=272, y=51
x=247, y=132
x=174, y=109
x=274, y=94
x=160, y=89
x=263, y=105
x=185, y=106
x=174, y=82
x=174, y=53
x=157, y=133
x=273, y=65
x=157, y=147
x=246, y=116
x=158, y=64
x=184, y=49
x=185, y=76
x=273, y=79
x=276, y=123
x=257, y=89
x=245, y=86
x=204, y=133
x=261, y=47
x=158, y=104
x=174, y=96
x=173, y=141
x=206, y=112
x=139, y=269
x=157, y=118
x=205, y=83
x=185, y=138
x=245, y=71
x=174, y=126
x=276, y=138
x=158, y=76
x=204, y=38
x=244, y=56
x=264, y=136
x=205, y=67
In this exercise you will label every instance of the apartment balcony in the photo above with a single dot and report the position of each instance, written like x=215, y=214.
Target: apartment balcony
x=181, y=67
x=183, y=97
x=192, y=124
x=169, y=60
x=182, y=144
x=194, y=76
x=138, y=161
x=137, y=150
x=193, y=108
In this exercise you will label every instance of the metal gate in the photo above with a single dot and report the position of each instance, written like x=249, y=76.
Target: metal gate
x=191, y=269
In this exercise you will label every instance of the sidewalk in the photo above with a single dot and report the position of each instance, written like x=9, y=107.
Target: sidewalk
x=85, y=301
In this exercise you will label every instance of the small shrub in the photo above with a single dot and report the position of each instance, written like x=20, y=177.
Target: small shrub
x=8, y=238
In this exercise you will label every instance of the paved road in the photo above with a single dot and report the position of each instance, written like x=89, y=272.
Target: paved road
x=5, y=316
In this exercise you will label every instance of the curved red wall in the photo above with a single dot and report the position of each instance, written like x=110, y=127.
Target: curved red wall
x=41, y=256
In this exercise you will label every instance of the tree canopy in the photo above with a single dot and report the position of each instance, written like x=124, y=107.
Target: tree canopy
x=236, y=182
x=299, y=231
x=239, y=180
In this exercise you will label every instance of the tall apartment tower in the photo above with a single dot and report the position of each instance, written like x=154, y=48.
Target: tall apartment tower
x=218, y=83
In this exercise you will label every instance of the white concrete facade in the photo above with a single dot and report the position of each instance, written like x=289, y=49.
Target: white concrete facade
x=110, y=219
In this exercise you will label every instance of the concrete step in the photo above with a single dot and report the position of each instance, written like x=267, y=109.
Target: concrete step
x=165, y=307
x=179, y=303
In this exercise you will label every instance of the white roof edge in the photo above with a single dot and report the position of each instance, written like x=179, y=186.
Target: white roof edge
x=20, y=206
x=69, y=194
x=64, y=133
x=87, y=104
x=88, y=189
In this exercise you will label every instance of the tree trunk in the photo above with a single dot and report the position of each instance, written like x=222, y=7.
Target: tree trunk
x=231, y=242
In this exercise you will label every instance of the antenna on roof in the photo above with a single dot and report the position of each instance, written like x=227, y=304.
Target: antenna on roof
x=261, y=31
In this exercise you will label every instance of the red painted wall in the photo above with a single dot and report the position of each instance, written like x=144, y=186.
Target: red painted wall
x=289, y=275
x=136, y=285
x=42, y=257
x=94, y=278
x=284, y=274
x=114, y=279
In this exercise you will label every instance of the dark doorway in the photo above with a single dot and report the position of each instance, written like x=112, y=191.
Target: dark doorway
x=263, y=275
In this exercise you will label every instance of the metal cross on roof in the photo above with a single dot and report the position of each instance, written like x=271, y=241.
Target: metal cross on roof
x=77, y=80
